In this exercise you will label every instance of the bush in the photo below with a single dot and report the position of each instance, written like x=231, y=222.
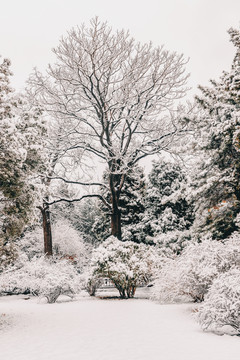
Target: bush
x=126, y=264
x=191, y=274
x=173, y=242
x=45, y=277
x=222, y=303
x=67, y=242
x=92, y=283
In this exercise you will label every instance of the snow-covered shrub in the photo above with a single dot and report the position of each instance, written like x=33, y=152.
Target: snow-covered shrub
x=192, y=273
x=126, y=264
x=31, y=243
x=45, y=277
x=221, y=306
x=8, y=253
x=173, y=242
x=67, y=242
x=92, y=283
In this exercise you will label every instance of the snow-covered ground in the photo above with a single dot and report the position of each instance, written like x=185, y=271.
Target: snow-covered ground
x=106, y=329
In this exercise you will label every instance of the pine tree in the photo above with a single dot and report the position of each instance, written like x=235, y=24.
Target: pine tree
x=168, y=208
x=217, y=189
x=21, y=131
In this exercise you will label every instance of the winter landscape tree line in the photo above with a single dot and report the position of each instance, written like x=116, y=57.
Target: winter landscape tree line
x=76, y=204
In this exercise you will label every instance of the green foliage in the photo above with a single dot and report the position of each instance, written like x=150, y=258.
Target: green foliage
x=21, y=131
x=168, y=209
x=218, y=174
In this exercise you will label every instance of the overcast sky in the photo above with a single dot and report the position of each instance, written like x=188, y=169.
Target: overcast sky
x=197, y=28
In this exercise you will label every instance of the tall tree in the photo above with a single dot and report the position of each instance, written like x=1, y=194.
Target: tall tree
x=115, y=98
x=21, y=130
x=217, y=190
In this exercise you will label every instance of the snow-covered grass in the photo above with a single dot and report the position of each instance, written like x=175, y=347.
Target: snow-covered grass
x=112, y=329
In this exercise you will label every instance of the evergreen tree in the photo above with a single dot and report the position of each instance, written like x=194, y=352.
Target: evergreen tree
x=168, y=208
x=217, y=189
x=21, y=131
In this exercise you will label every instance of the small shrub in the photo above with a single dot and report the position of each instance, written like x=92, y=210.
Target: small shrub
x=92, y=284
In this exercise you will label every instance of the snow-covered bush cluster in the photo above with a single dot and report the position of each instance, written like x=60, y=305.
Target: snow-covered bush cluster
x=191, y=274
x=206, y=272
x=44, y=277
x=126, y=264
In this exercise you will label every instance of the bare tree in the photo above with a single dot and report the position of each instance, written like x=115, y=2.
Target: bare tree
x=115, y=98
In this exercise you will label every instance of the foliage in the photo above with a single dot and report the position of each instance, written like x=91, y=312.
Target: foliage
x=190, y=275
x=173, y=242
x=217, y=176
x=126, y=264
x=45, y=277
x=21, y=146
x=168, y=208
x=91, y=283
x=221, y=306
x=83, y=218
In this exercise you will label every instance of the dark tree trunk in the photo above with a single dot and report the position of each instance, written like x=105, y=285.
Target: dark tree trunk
x=47, y=232
x=116, y=183
x=116, y=224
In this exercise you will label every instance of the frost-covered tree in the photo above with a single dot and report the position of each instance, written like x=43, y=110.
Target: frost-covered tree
x=83, y=218
x=217, y=145
x=169, y=214
x=21, y=131
x=126, y=264
x=168, y=207
x=114, y=97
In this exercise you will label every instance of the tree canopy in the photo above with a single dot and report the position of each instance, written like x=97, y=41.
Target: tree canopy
x=115, y=98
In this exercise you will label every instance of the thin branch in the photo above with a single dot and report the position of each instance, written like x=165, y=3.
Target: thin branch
x=76, y=182
x=79, y=199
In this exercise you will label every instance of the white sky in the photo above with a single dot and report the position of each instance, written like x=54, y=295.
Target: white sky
x=197, y=28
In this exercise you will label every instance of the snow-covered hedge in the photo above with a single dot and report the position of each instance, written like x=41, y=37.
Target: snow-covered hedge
x=192, y=273
x=221, y=306
x=126, y=264
x=45, y=277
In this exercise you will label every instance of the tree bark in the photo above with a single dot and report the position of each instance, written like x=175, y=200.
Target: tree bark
x=116, y=223
x=47, y=232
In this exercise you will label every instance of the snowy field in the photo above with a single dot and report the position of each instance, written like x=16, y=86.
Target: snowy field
x=106, y=329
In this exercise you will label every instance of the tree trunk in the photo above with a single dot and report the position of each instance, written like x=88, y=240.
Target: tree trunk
x=47, y=232
x=116, y=224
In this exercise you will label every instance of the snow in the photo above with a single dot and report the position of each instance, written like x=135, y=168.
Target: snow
x=106, y=329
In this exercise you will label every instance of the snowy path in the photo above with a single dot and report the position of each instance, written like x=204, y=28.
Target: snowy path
x=93, y=329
